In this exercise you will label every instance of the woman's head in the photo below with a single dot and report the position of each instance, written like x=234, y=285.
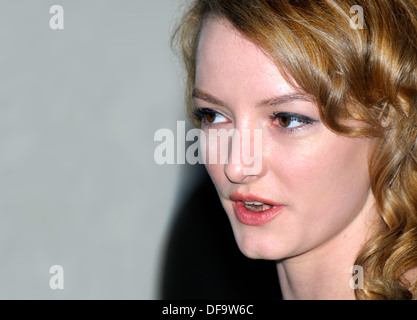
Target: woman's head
x=301, y=161
x=342, y=140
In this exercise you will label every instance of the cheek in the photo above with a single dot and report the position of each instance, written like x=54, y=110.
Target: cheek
x=215, y=152
x=330, y=173
x=212, y=154
x=216, y=173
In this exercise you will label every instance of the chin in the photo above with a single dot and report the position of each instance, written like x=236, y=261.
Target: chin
x=259, y=246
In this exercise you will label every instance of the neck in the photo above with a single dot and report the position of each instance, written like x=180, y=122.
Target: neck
x=324, y=272
x=317, y=276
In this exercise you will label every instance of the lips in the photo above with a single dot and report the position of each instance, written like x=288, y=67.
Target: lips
x=254, y=211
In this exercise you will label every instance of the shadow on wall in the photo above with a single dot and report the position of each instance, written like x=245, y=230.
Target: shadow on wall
x=202, y=259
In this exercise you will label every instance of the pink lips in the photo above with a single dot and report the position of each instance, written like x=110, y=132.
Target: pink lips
x=252, y=218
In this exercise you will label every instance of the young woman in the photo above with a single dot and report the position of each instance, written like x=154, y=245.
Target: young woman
x=335, y=97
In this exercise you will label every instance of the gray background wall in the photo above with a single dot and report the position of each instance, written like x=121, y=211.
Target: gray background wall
x=79, y=107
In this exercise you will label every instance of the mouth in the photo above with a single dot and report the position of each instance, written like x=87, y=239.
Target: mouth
x=254, y=211
x=256, y=206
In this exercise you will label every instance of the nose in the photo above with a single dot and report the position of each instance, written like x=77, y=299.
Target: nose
x=245, y=161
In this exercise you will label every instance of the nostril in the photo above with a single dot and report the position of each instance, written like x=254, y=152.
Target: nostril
x=235, y=172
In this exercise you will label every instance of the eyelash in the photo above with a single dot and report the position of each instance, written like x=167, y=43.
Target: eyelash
x=200, y=115
x=292, y=117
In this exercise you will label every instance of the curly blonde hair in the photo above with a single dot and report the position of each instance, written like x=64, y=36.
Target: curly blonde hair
x=367, y=73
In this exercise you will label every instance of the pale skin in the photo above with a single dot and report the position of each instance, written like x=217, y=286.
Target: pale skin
x=320, y=178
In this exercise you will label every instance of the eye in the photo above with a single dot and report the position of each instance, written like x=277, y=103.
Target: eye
x=288, y=120
x=209, y=116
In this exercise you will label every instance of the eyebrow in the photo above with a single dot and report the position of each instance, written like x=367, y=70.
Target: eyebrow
x=274, y=101
x=200, y=94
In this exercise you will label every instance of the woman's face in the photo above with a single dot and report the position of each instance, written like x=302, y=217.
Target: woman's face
x=313, y=186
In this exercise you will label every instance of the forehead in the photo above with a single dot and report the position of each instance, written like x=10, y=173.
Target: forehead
x=230, y=64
